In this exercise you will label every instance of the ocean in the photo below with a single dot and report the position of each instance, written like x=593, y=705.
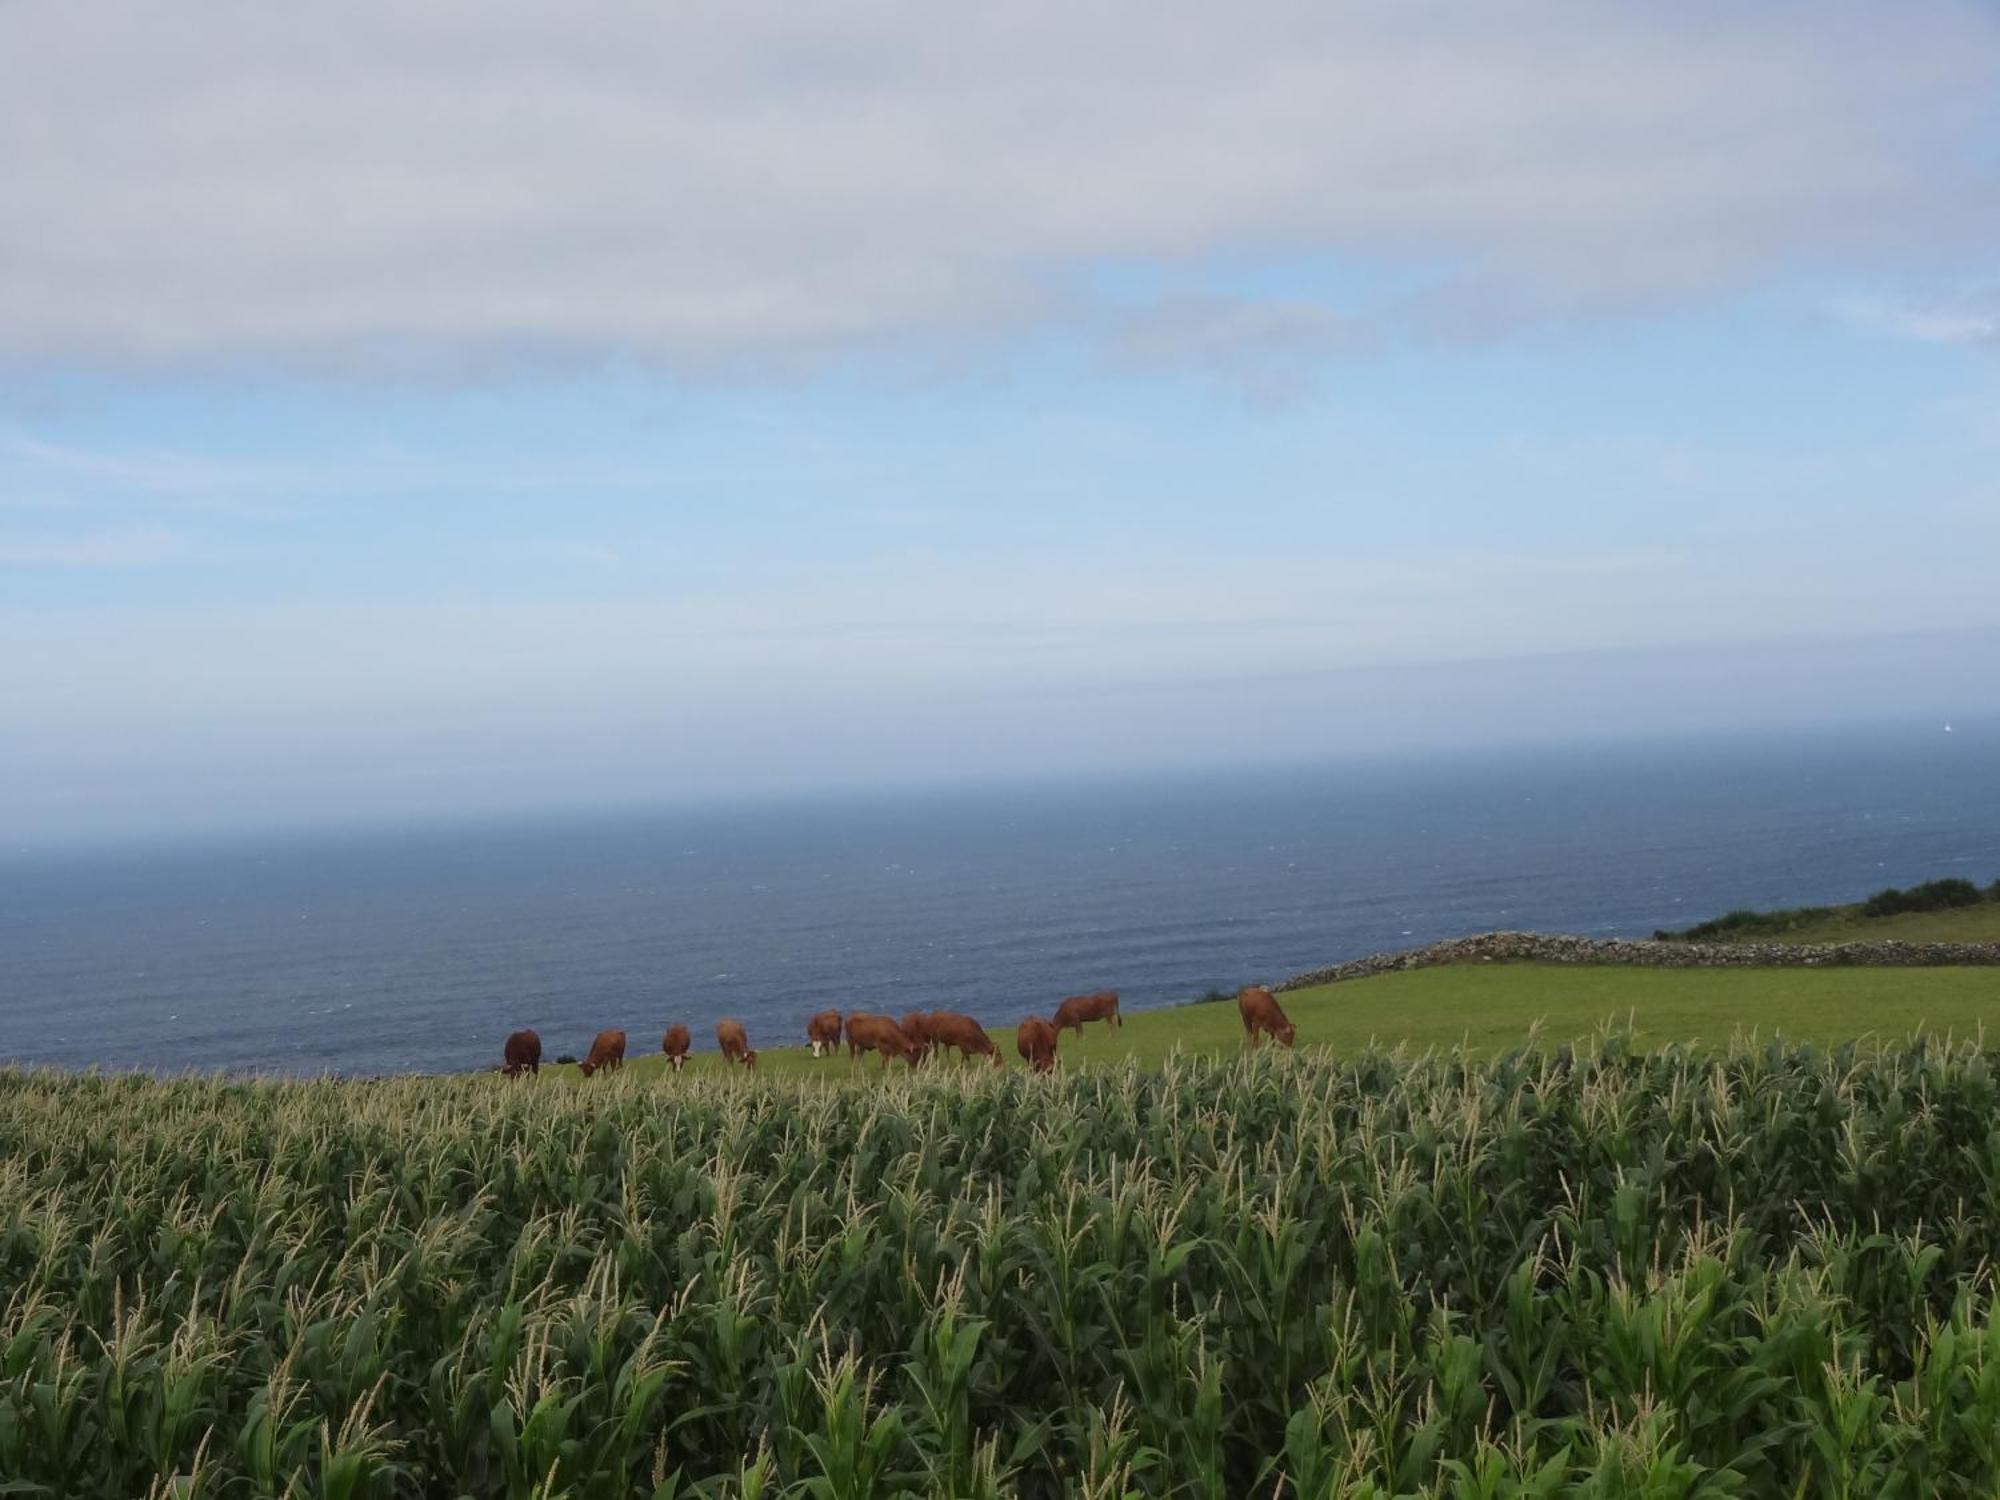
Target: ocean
x=420, y=949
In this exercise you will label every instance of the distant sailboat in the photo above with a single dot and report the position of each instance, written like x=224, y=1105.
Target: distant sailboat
x=1947, y=729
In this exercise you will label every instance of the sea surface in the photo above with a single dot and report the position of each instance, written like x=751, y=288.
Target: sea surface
x=420, y=949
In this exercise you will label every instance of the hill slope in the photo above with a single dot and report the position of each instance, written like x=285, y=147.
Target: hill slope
x=1847, y=924
x=1946, y=910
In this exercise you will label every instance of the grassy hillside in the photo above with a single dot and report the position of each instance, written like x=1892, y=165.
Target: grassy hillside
x=1951, y=909
x=1493, y=1007
x=1847, y=924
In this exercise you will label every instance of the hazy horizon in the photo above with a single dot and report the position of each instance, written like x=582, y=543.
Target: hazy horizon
x=1904, y=689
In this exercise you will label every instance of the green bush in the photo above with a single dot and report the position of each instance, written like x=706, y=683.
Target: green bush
x=1932, y=895
x=1743, y=923
x=1592, y=1272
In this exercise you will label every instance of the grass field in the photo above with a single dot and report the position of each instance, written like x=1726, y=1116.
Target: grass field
x=1494, y=1007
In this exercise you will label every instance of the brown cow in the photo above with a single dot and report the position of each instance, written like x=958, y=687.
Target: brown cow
x=917, y=1027
x=675, y=1044
x=823, y=1031
x=523, y=1053
x=879, y=1034
x=1036, y=1040
x=1260, y=1012
x=950, y=1029
x=1101, y=1006
x=607, y=1050
x=735, y=1045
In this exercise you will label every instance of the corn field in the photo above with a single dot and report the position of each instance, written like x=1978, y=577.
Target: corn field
x=1607, y=1273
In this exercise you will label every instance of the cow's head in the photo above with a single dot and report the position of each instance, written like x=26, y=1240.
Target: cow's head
x=750, y=1058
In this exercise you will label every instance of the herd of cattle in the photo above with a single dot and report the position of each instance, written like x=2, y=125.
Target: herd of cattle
x=914, y=1038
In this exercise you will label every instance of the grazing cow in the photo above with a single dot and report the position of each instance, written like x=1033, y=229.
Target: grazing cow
x=1036, y=1040
x=1102, y=1006
x=607, y=1050
x=523, y=1054
x=1260, y=1012
x=867, y=1033
x=823, y=1031
x=735, y=1045
x=917, y=1027
x=675, y=1045
x=950, y=1029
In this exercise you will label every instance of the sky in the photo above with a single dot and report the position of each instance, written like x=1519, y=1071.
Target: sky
x=424, y=411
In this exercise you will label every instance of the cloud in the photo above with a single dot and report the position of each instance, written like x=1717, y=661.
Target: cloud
x=147, y=469
x=464, y=184
x=151, y=478
x=1972, y=319
x=131, y=548
x=1265, y=348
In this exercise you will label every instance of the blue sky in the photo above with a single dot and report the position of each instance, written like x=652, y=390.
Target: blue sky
x=467, y=412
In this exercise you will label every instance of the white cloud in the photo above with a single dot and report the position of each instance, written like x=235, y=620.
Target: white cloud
x=152, y=479
x=466, y=182
x=1961, y=320
x=145, y=469
x=1265, y=348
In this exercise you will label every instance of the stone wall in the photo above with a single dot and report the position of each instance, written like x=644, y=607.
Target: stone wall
x=1501, y=947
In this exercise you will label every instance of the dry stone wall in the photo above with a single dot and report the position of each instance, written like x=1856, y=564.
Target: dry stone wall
x=1505, y=947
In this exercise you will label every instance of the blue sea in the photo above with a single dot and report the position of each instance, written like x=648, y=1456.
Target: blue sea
x=419, y=949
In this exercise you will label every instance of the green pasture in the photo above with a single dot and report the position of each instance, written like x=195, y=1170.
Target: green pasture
x=1493, y=1007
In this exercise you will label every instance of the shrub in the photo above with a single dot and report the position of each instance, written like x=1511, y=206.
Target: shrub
x=1744, y=923
x=1932, y=895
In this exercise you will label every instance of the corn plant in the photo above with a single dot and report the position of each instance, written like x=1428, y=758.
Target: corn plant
x=1564, y=1272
